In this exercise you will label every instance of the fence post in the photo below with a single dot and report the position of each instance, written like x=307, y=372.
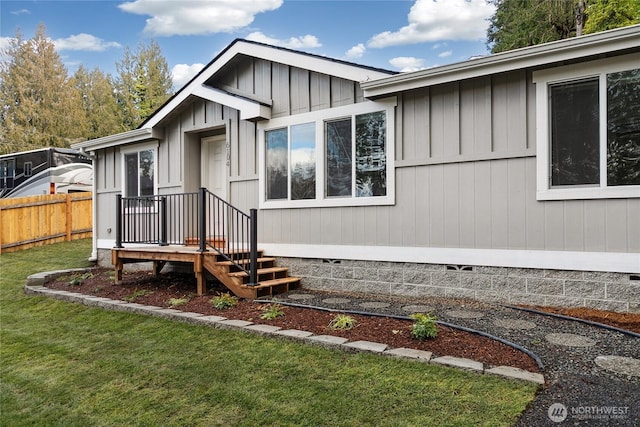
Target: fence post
x=202, y=218
x=68, y=218
x=119, y=221
x=253, y=257
x=163, y=221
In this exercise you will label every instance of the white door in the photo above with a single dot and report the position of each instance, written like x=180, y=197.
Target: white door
x=214, y=178
x=214, y=165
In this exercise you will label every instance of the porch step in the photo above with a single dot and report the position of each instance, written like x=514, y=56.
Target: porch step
x=275, y=286
x=271, y=271
x=263, y=262
x=271, y=279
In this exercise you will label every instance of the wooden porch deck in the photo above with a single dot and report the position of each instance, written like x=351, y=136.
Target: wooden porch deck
x=271, y=279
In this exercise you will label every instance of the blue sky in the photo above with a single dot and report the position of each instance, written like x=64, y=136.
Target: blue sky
x=391, y=34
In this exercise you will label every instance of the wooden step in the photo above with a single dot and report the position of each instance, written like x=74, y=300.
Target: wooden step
x=246, y=261
x=275, y=286
x=275, y=282
x=261, y=272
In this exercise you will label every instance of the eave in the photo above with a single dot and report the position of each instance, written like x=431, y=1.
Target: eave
x=547, y=54
x=129, y=137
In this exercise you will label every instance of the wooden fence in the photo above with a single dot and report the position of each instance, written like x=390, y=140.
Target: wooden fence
x=26, y=222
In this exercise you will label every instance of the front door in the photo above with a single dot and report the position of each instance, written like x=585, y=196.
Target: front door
x=214, y=165
x=214, y=178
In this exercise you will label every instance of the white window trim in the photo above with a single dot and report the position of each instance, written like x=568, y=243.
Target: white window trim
x=319, y=118
x=543, y=79
x=152, y=146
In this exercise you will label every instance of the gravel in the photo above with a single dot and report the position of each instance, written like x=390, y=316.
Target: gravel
x=578, y=391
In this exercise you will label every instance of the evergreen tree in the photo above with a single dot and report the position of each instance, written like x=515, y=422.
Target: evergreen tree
x=144, y=83
x=608, y=14
x=40, y=106
x=521, y=23
x=97, y=94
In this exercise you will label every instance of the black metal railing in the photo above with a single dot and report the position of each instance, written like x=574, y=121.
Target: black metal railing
x=200, y=218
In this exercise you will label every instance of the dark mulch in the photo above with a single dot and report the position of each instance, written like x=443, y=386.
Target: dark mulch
x=158, y=291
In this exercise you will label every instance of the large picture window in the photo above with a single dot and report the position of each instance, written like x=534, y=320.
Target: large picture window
x=588, y=141
x=334, y=157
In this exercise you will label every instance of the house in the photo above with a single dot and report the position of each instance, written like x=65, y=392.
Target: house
x=513, y=177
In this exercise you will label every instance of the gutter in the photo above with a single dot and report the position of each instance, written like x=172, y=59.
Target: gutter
x=627, y=38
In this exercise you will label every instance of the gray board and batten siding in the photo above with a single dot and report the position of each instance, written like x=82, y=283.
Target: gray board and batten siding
x=465, y=178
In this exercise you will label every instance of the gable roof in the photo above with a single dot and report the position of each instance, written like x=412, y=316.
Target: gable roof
x=547, y=54
x=251, y=109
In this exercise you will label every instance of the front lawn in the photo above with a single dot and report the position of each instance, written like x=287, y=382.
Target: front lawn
x=68, y=364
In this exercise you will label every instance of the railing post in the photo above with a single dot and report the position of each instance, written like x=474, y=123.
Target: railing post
x=163, y=221
x=253, y=249
x=119, y=221
x=202, y=218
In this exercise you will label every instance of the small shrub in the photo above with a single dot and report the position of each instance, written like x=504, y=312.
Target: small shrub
x=174, y=302
x=79, y=279
x=424, y=326
x=342, y=322
x=224, y=301
x=137, y=294
x=272, y=311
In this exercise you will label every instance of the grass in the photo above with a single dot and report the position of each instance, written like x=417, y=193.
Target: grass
x=65, y=364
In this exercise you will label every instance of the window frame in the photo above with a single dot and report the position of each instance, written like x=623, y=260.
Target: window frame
x=137, y=149
x=320, y=117
x=544, y=79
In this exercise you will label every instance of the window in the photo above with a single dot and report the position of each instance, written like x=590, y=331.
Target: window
x=7, y=173
x=336, y=157
x=139, y=172
x=28, y=168
x=588, y=130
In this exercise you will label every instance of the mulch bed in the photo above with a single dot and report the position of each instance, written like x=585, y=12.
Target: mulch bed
x=396, y=333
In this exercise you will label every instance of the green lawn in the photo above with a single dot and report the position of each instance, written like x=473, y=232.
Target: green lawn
x=65, y=364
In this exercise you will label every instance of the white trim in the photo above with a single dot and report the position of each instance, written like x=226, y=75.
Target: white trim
x=319, y=117
x=602, y=43
x=249, y=110
x=129, y=137
x=137, y=148
x=552, y=260
x=543, y=79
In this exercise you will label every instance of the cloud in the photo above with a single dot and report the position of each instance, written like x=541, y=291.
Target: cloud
x=85, y=42
x=182, y=73
x=442, y=20
x=303, y=42
x=445, y=54
x=21, y=12
x=356, y=52
x=407, y=63
x=5, y=44
x=170, y=17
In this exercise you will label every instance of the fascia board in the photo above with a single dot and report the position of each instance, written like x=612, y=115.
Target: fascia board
x=535, y=56
x=249, y=110
x=135, y=135
x=312, y=63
